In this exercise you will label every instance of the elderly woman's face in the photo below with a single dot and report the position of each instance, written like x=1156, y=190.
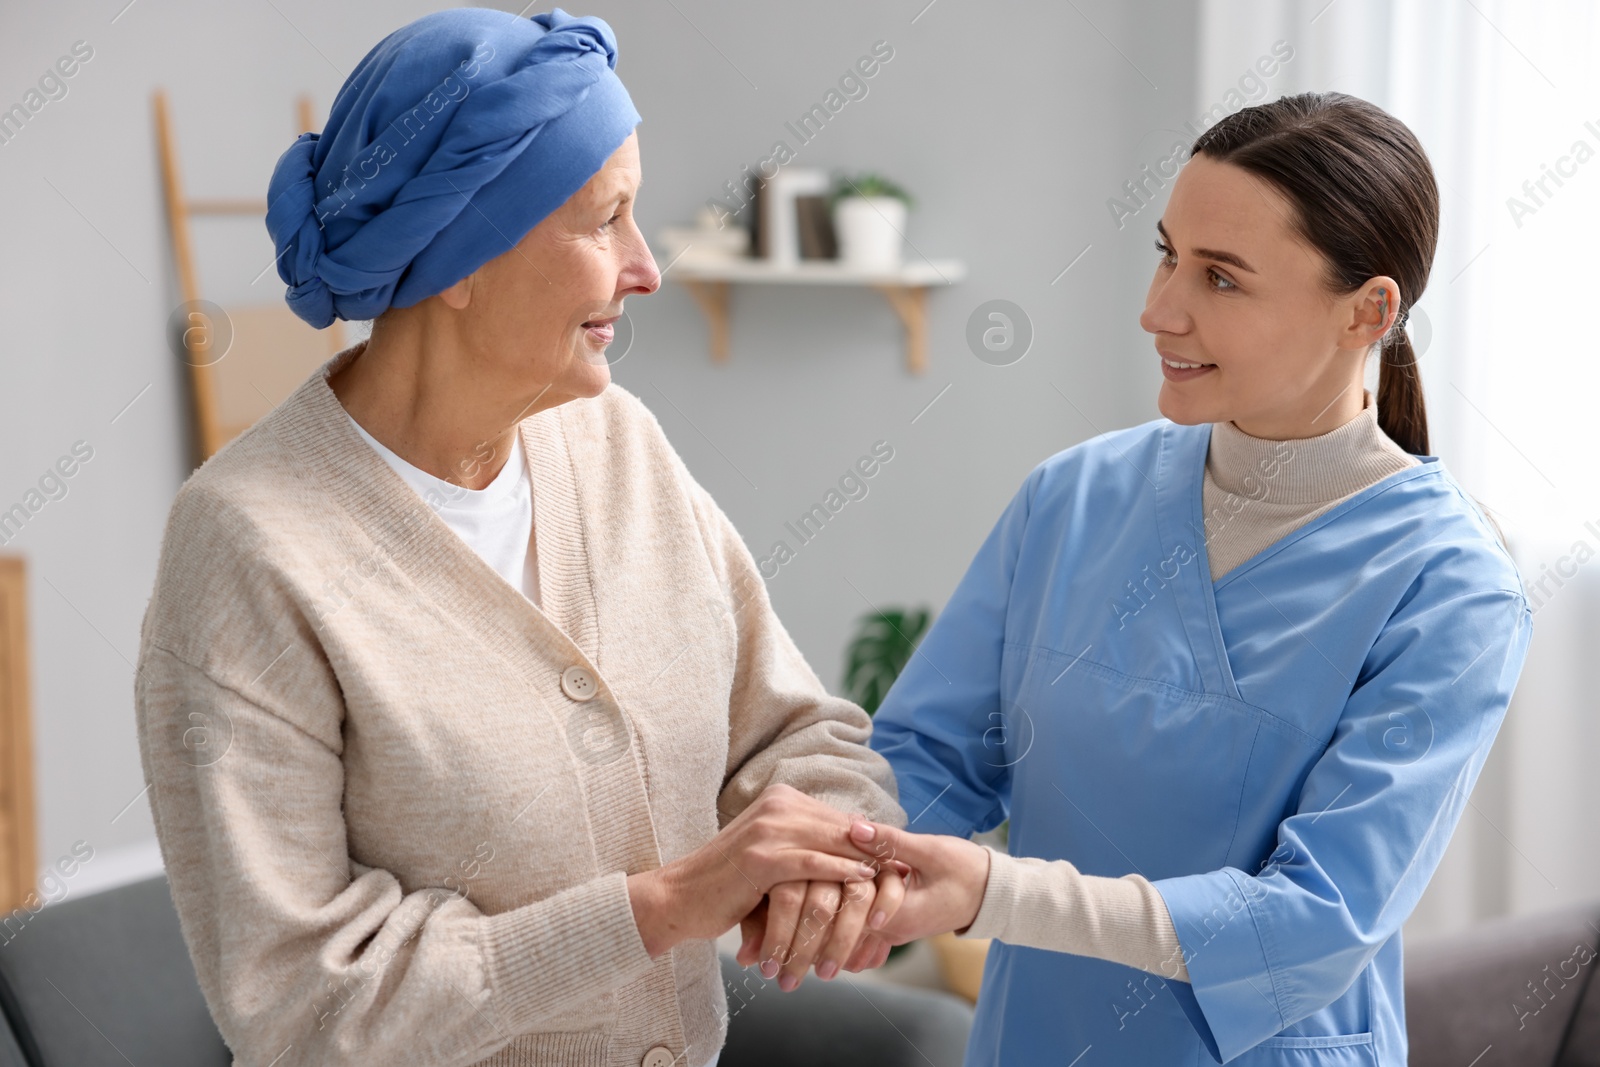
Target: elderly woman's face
x=542, y=313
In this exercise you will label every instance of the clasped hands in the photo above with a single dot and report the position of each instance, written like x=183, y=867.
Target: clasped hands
x=809, y=886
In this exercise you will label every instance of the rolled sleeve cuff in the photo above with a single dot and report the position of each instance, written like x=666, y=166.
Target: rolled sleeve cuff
x=1231, y=997
x=870, y=801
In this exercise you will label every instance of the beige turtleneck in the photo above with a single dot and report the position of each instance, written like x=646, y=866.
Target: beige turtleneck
x=1256, y=491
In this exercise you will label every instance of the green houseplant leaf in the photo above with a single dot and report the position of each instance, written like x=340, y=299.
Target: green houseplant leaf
x=883, y=644
x=867, y=184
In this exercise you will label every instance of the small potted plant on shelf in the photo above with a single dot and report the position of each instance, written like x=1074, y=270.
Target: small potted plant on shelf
x=869, y=220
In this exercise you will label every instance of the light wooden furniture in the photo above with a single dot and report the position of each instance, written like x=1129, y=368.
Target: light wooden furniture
x=710, y=280
x=961, y=963
x=18, y=841
x=269, y=350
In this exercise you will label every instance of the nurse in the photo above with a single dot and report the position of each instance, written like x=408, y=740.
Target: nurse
x=1231, y=673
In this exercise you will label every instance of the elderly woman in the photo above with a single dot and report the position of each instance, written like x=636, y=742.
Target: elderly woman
x=449, y=759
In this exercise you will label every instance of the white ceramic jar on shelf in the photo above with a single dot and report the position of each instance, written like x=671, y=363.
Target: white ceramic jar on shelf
x=870, y=230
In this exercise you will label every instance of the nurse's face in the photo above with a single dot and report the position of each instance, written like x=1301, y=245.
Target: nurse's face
x=544, y=310
x=1237, y=291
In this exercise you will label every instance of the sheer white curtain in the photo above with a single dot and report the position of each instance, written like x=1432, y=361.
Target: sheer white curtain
x=1505, y=97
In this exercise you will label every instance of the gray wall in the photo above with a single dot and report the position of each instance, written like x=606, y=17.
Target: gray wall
x=1012, y=123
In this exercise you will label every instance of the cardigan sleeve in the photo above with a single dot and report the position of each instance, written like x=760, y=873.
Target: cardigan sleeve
x=783, y=724
x=306, y=956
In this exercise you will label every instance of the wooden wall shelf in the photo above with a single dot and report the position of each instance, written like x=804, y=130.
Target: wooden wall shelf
x=710, y=281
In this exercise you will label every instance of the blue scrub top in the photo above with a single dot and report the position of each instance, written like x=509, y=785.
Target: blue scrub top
x=1283, y=752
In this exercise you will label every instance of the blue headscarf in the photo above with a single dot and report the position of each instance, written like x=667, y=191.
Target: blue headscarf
x=449, y=141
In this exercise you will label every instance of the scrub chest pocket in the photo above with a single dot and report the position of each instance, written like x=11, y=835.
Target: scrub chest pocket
x=1149, y=777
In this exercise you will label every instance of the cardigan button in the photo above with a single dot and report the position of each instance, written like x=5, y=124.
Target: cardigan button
x=578, y=683
x=660, y=1056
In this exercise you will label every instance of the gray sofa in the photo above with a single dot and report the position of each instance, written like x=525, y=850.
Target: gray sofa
x=106, y=980
x=1510, y=993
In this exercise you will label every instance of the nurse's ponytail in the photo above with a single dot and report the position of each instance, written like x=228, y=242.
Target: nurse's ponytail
x=1365, y=197
x=1401, y=414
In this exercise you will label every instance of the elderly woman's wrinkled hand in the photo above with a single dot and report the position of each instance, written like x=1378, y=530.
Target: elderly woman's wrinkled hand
x=782, y=837
x=834, y=935
x=833, y=926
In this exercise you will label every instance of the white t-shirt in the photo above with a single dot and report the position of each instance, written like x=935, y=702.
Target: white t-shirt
x=496, y=521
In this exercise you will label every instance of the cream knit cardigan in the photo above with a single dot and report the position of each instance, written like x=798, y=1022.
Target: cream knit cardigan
x=390, y=834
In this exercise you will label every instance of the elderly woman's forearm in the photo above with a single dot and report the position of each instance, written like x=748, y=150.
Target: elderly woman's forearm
x=783, y=724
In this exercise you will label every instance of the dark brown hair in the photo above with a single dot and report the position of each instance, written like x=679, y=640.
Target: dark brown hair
x=1365, y=197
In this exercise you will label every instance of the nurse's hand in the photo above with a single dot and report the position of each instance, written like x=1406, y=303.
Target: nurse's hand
x=783, y=836
x=945, y=887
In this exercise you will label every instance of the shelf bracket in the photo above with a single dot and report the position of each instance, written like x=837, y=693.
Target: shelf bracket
x=910, y=302
x=712, y=297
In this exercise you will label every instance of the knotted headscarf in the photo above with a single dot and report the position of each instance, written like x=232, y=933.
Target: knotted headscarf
x=449, y=141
